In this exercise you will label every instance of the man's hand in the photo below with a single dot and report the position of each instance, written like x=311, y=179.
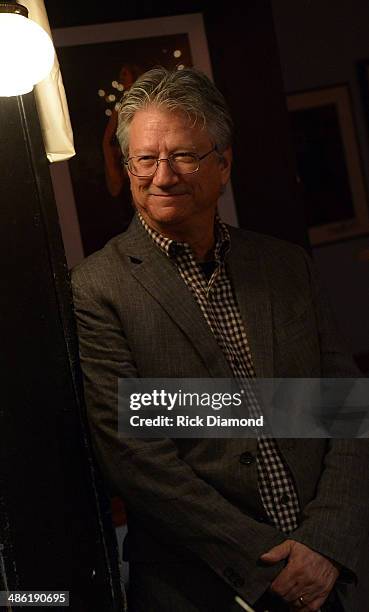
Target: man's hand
x=307, y=575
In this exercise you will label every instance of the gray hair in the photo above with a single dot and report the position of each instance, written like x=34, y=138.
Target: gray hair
x=186, y=90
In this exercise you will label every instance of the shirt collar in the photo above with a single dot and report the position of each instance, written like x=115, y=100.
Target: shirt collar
x=172, y=248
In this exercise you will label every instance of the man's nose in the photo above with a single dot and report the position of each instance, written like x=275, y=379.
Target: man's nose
x=164, y=174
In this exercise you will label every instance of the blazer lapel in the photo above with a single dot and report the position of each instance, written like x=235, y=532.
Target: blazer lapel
x=248, y=274
x=156, y=272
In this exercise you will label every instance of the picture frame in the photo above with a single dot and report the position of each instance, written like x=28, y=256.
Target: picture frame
x=363, y=75
x=329, y=164
x=90, y=59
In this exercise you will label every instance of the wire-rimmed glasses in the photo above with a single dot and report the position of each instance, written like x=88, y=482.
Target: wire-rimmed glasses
x=183, y=162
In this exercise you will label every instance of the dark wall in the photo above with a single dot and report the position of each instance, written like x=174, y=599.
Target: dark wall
x=246, y=68
x=320, y=44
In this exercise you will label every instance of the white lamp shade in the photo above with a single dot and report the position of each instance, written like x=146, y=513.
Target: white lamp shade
x=26, y=54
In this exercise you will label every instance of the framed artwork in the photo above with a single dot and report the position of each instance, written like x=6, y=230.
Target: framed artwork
x=328, y=164
x=98, y=63
x=363, y=72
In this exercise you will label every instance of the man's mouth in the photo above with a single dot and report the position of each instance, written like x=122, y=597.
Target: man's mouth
x=167, y=195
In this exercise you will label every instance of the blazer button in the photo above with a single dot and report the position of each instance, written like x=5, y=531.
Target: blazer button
x=237, y=581
x=228, y=572
x=247, y=458
x=234, y=578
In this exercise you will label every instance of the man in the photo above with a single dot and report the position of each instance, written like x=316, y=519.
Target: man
x=278, y=523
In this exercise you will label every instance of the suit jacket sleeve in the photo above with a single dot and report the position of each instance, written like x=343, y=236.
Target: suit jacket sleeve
x=158, y=484
x=336, y=521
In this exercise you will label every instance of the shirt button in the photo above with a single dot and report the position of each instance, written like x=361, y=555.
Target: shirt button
x=247, y=458
x=284, y=499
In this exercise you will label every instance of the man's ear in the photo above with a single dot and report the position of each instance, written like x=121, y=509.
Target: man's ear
x=226, y=165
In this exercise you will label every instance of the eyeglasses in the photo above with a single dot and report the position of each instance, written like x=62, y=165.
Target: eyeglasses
x=144, y=166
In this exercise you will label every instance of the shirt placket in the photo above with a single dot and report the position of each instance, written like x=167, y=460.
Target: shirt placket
x=276, y=488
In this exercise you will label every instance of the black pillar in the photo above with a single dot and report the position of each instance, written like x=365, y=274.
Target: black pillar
x=55, y=531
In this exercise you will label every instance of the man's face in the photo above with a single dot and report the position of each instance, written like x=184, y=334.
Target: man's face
x=170, y=201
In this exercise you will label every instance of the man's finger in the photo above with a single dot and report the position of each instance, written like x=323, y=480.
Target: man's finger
x=277, y=553
x=284, y=584
x=310, y=604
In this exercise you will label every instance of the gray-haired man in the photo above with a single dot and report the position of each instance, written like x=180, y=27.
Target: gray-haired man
x=180, y=294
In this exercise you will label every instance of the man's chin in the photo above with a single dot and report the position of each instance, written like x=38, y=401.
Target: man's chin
x=164, y=216
x=167, y=216
x=163, y=206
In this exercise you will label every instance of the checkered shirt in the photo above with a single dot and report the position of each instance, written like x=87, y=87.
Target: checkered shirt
x=219, y=307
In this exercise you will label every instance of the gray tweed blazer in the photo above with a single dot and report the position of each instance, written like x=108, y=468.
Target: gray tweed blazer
x=197, y=526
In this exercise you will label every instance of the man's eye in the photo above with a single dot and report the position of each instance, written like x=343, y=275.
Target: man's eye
x=146, y=158
x=184, y=157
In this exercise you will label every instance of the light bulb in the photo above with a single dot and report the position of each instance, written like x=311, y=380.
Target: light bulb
x=26, y=54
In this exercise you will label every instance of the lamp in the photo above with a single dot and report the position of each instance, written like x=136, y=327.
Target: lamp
x=26, y=51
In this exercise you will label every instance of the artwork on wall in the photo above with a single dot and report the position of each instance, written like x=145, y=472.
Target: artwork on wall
x=328, y=164
x=363, y=72
x=98, y=64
